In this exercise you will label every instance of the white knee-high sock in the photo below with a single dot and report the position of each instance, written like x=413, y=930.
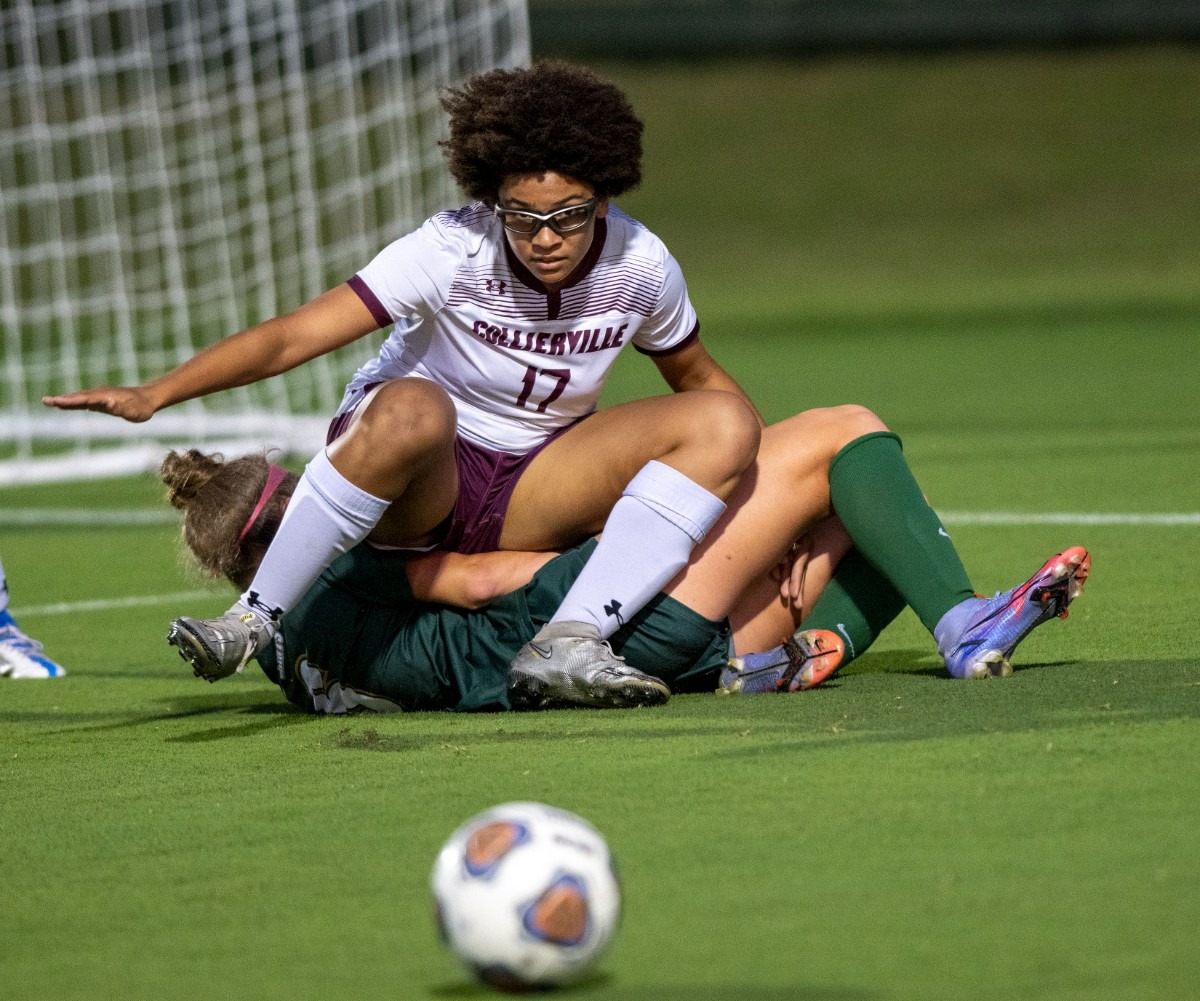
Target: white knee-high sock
x=653, y=527
x=3, y=590
x=326, y=516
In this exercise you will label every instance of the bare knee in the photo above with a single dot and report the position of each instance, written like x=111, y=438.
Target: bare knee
x=831, y=428
x=729, y=432
x=401, y=427
x=408, y=415
x=852, y=420
x=806, y=444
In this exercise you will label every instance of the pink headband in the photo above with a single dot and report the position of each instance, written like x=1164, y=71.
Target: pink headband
x=275, y=477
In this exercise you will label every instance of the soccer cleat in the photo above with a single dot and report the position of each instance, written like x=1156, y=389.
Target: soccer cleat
x=20, y=655
x=217, y=648
x=803, y=661
x=568, y=664
x=977, y=637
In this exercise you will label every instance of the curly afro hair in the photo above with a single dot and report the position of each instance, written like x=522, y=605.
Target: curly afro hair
x=550, y=116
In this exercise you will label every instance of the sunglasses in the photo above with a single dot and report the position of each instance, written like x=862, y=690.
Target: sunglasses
x=568, y=220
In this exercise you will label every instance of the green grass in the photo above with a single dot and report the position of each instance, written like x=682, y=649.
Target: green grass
x=1010, y=182
x=894, y=835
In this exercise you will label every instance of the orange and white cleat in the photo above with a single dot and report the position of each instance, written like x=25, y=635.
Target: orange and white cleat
x=803, y=661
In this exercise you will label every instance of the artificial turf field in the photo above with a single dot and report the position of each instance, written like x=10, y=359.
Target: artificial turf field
x=997, y=253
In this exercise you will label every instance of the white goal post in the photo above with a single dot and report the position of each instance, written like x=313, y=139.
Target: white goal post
x=174, y=170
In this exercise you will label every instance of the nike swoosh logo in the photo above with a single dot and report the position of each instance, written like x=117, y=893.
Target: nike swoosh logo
x=841, y=627
x=943, y=533
x=542, y=651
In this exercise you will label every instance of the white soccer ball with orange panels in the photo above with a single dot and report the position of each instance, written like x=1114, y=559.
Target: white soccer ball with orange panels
x=526, y=896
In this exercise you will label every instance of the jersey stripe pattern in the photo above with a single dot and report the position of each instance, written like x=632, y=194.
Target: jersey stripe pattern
x=519, y=360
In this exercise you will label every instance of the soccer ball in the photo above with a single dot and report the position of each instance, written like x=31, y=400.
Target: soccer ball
x=526, y=896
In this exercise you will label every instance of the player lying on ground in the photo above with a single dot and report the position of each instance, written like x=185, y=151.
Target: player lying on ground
x=467, y=432
x=358, y=633
x=20, y=655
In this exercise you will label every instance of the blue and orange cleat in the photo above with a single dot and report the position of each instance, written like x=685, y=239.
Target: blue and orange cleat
x=21, y=656
x=977, y=637
x=803, y=661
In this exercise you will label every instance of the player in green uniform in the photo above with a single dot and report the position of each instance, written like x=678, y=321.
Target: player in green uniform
x=366, y=635
x=360, y=640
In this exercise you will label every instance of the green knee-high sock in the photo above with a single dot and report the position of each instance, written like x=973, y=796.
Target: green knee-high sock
x=857, y=604
x=892, y=525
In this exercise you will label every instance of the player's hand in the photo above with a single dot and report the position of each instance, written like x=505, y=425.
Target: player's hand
x=133, y=403
x=789, y=573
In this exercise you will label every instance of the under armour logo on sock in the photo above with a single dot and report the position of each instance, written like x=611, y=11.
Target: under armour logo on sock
x=255, y=602
x=614, y=608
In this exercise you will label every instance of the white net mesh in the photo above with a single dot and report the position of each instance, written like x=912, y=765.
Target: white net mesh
x=174, y=170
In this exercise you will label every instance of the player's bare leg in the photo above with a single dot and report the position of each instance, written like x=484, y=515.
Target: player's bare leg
x=654, y=475
x=399, y=446
x=774, y=605
x=901, y=556
x=784, y=497
x=569, y=490
x=781, y=497
x=391, y=473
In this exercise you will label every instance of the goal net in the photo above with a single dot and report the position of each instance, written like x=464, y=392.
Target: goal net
x=174, y=170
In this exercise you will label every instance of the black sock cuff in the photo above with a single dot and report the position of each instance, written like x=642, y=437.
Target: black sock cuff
x=842, y=452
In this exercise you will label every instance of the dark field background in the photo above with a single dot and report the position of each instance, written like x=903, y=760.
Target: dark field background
x=997, y=252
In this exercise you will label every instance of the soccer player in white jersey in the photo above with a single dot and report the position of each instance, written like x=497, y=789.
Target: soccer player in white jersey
x=475, y=428
x=20, y=655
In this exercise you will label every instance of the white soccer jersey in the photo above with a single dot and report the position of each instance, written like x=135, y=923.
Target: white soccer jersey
x=519, y=361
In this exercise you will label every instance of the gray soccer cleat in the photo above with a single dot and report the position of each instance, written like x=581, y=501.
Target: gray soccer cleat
x=217, y=648
x=568, y=664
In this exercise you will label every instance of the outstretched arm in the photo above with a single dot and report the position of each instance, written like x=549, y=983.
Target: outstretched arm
x=274, y=346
